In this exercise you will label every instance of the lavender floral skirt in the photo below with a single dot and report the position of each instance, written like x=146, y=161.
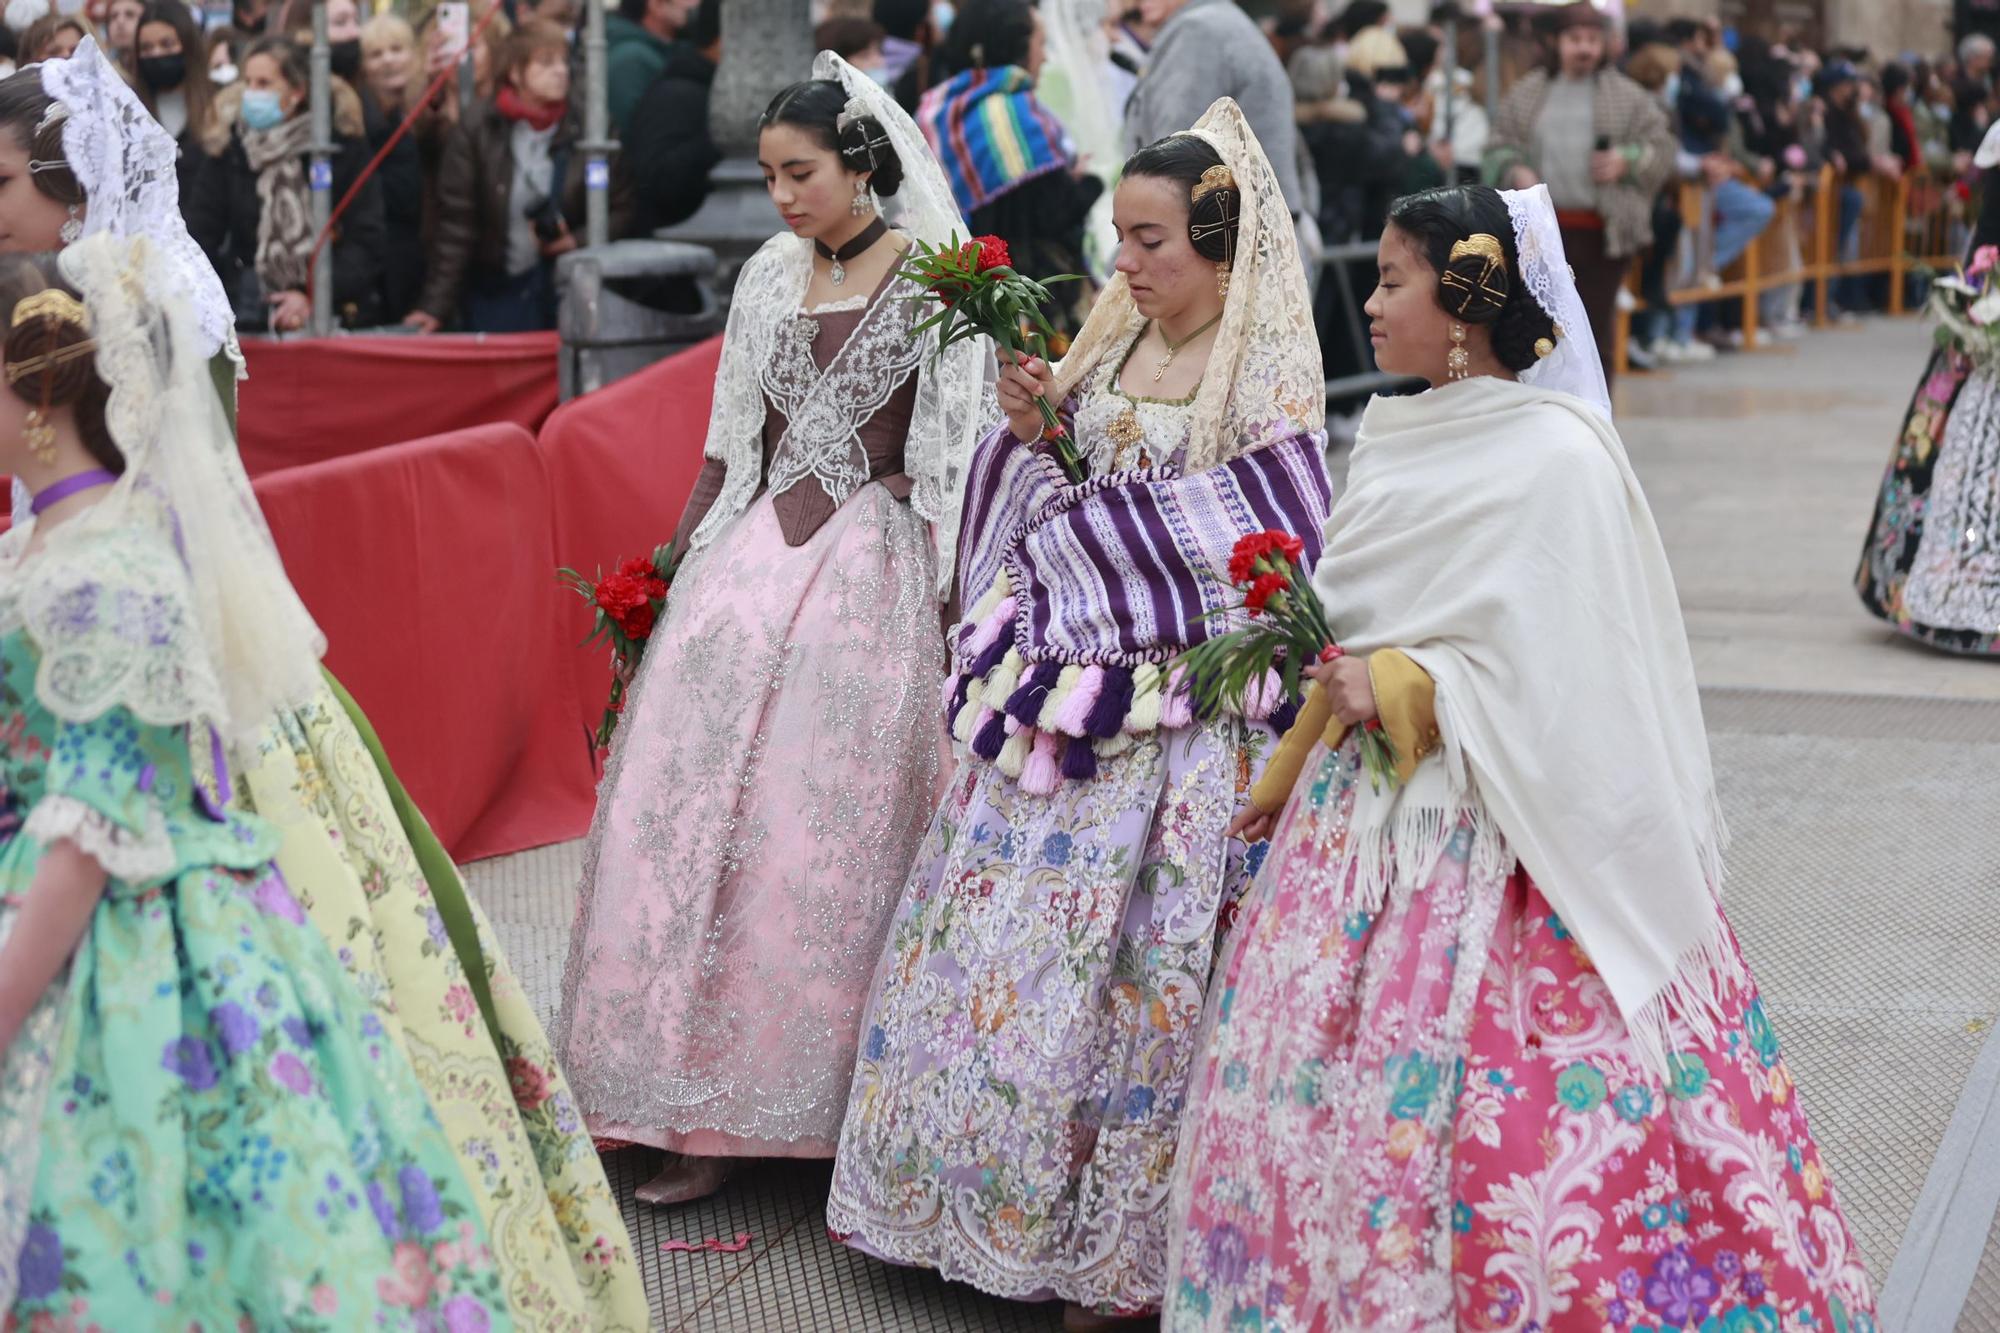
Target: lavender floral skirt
x=1025, y=1055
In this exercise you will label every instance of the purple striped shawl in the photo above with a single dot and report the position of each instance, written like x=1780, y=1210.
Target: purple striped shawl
x=1127, y=567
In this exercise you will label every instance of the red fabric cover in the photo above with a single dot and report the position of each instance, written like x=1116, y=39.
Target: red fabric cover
x=313, y=399
x=430, y=567
x=622, y=462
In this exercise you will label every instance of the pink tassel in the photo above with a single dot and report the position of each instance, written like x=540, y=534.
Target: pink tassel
x=989, y=629
x=1176, y=705
x=1263, y=696
x=1040, y=775
x=1075, y=710
x=951, y=691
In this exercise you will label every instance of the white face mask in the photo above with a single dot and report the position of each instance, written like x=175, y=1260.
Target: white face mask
x=942, y=13
x=223, y=75
x=1732, y=87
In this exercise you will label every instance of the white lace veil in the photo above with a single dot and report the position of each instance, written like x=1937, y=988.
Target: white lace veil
x=1264, y=381
x=125, y=162
x=217, y=636
x=1573, y=368
x=955, y=401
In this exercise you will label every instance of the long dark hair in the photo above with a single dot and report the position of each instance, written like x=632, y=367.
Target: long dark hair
x=1439, y=219
x=24, y=117
x=199, y=91
x=815, y=106
x=990, y=34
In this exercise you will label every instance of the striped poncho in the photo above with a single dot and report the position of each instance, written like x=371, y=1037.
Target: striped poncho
x=992, y=134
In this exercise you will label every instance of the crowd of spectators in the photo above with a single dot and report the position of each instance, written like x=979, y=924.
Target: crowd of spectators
x=459, y=225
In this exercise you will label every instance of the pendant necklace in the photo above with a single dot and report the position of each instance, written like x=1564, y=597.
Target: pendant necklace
x=1173, y=348
x=868, y=235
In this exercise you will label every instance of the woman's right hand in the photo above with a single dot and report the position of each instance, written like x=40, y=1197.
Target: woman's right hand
x=1252, y=825
x=1022, y=384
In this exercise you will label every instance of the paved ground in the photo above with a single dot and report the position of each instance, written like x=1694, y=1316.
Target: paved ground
x=1860, y=775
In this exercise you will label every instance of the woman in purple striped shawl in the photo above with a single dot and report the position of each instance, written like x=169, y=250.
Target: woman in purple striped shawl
x=1015, y=1106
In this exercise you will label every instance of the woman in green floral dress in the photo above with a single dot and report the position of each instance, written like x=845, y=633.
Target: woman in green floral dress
x=201, y=1122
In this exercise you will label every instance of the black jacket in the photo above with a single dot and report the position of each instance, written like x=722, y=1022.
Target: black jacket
x=402, y=177
x=667, y=150
x=223, y=209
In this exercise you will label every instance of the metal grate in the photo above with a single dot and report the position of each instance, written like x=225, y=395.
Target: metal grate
x=1864, y=869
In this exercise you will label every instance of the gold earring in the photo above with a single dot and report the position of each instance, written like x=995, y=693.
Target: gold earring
x=1456, y=360
x=1222, y=280
x=39, y=435
x=1543, y=347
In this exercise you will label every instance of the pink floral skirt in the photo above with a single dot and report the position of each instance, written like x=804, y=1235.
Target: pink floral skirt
x=1432, y=1116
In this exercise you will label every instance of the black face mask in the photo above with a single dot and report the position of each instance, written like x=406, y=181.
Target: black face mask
x=163, y=73
x=347, y=59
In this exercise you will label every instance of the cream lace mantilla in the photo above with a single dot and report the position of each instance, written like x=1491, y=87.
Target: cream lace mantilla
x=1265, y=381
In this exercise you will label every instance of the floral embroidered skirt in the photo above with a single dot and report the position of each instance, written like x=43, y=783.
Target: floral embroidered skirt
x=1017, y=1103
x=1433, y=1117
x=228, y=1140
x=768, y=785
x=536, y=1183
x=1944, y=475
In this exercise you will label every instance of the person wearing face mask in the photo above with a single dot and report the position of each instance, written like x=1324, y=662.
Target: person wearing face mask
x=173, y=81
x=225, y=45
x=248, y=207
x=669, y=152
x=510, y=197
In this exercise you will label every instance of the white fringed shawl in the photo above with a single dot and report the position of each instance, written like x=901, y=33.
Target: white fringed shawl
x=1496, y=533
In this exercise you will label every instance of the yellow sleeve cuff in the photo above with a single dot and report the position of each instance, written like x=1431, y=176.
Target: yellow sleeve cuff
x=1406, y=701
x=1281, y=773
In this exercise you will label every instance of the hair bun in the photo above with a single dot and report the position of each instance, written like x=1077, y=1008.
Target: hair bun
x=45, y=333
x=1215, y=214
x=1475, y=283
x=864, y=146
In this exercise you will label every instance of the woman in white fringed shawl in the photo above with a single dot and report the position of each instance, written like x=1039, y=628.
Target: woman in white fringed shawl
x=1484, y=1050
x=779, y=756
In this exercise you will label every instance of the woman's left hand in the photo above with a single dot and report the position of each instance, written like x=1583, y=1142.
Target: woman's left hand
x=290, y=311
x=1348, y=688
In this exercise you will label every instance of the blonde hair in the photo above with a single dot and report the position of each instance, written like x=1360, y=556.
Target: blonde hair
x=384, y=28
x=1375, y=49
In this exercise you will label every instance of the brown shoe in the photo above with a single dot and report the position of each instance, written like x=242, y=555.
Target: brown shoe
x=683, y=1180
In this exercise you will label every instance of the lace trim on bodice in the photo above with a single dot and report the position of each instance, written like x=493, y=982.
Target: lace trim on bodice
x=825, y=409
x=1124, y=431
x=132, y=857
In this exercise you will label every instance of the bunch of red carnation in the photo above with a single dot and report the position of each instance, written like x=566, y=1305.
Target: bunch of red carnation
x=627, y=603
x=979, y=292
x=1291, y=630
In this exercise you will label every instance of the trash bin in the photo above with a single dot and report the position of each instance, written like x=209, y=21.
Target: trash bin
x=623, y=306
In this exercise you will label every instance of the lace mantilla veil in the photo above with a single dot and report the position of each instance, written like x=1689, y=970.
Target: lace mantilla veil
x=1265, y=381
x=1573, y=368
x=955, y=401
x=167, y=596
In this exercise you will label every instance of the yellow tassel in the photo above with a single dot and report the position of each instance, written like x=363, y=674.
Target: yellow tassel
x=1115, y=746
x=961, y=726
x=1005, y=677
x=1064, y=684
x=1014, y=754
x=1144, y=714
x=992, y=598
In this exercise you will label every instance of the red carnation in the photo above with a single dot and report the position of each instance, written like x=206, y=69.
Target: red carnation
x=992, y=253
x=1263, y=590
x=637, y=623
x=1249, y=549
x=1294, y=549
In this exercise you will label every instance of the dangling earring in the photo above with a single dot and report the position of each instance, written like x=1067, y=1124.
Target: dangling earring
x=1456, y=360
x=39, y=435
x=1222, y=280
x=860, y=207
x=71, y=228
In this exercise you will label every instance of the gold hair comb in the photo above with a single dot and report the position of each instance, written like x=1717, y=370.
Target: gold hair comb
x=55, y=304
x=1492, y=280
x=1215, y=178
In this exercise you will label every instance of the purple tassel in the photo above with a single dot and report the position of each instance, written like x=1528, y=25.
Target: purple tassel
x=989, y=735
x=1286, y=713
x=1114, y=701
x=1024, y=705
x=995, y=653
x=1079, y=761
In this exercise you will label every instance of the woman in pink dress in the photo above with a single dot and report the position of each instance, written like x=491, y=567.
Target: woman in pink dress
x=1483, y=1052
x=779, y=758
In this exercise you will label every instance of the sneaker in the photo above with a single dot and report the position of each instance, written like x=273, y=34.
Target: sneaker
x=1696, y=351
x=1627, y=301
x=1790, y=328
x=1641, y=356
x=1665, y=351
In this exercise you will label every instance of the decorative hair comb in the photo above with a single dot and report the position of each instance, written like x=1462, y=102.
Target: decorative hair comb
x=55, y=304
x=873, y=136
x=1491, y=282
x=1215, y=178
